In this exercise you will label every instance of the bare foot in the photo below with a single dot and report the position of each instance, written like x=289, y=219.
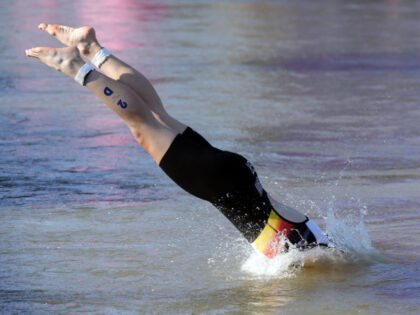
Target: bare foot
x=66, y=60
x=83, y=38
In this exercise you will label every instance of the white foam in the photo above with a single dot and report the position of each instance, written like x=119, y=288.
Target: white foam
x=282, y=266
x=351, y=244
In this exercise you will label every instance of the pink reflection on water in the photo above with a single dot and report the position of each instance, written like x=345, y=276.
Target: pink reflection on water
x=106, y=167
x=120, y=24
x=101, y=122
x=37, y=84
x=49, y=3
x=77, y=170
x=108, y=140
x=105, y=131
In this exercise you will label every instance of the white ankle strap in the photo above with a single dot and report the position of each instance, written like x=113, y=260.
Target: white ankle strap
x=100, y=57
x=82, y=73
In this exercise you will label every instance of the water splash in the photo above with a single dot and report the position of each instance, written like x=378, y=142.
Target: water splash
x=287, y=265
x=282, y=266
x=352, y=246
x=347, y=231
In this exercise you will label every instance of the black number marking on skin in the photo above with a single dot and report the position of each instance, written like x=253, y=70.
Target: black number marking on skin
x=120, y=103
x=108, y=91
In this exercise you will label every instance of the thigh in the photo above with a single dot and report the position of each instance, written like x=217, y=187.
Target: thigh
x=223, y=178
x=194, y=166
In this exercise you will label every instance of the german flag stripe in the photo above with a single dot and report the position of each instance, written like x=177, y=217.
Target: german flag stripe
x=268, y=242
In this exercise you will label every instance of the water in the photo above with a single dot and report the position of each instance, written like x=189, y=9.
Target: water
x=322, y=97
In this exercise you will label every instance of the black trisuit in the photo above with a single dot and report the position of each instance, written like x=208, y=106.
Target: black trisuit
x=229, y=182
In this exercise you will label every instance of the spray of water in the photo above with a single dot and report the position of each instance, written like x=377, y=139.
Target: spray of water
x=346, y=230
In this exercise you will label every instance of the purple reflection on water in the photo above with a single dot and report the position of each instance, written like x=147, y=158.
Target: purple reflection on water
x=120, y=24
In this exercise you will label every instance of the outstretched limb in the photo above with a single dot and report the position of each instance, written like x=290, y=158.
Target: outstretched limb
x=147, y=130
x=84, y=38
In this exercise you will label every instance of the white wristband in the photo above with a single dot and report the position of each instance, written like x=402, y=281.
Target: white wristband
x=82, y=73
x=100, y=57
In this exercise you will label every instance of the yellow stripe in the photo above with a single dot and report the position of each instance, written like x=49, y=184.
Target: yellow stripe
x=264, y=239
x=268, y=233
x=274, y=220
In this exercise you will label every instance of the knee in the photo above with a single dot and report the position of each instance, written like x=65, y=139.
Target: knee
x=139, y=135
x=160, y=115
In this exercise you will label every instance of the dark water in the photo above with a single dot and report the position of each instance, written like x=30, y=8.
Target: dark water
x=322, y=96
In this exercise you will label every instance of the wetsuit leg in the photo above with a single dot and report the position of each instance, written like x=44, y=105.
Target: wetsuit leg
x=225, y=179
x=230, y=183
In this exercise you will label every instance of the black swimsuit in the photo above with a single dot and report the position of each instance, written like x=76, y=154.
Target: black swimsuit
x=229, y=182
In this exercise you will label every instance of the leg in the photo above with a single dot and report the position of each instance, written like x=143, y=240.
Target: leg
x=84, y=38
x=150, y=133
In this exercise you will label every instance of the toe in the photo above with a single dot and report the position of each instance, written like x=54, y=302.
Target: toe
x=42, y=26
x=51, y=29
x=65, y=28
x=33, y=52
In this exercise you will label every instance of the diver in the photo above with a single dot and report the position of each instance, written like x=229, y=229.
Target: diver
x=225, y=179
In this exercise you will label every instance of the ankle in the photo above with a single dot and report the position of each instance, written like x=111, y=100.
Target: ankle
x=72, y=66
x=89, y=50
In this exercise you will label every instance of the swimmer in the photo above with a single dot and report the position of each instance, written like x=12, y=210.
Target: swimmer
x=225, y=179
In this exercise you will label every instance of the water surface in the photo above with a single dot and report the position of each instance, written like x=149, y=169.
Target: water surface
x=321, y=96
